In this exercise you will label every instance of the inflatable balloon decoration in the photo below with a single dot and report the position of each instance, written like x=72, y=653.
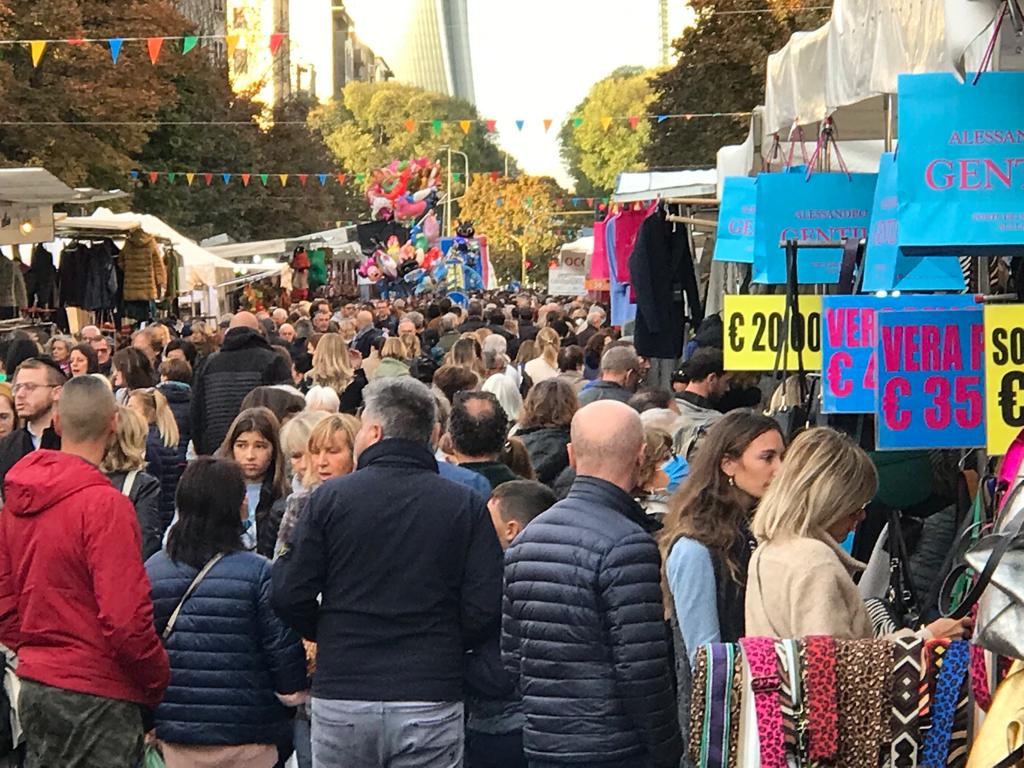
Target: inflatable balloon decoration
x=404, y=270
x=460, y=271
x=405, y=191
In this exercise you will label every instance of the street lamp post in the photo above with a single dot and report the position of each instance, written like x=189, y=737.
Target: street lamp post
x=450, y=198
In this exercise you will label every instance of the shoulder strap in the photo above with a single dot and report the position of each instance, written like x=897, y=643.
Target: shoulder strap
x=129, y=482
x=188, y=593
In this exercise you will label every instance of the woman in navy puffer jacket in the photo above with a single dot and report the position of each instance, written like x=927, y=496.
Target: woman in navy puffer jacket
x=235, y=668
x=164, y=452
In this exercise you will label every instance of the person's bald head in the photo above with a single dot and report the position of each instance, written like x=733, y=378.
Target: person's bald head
x=364, y=319
x=244, y=320
x=607, y=443
x=280, y=316
x=86, y=411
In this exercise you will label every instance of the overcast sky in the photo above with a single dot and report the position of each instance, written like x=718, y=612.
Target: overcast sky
x=536, y=59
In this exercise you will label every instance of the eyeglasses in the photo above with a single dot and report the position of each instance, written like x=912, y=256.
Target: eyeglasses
x=30, y=388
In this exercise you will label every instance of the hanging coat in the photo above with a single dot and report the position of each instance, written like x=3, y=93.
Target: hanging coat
x=662, y=273
x=72, y=274
x=41, y=280
x=100, y=291
x=143, y=267
x=12, y=285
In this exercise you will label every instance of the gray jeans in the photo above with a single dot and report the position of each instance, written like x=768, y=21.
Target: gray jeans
x=387, y=734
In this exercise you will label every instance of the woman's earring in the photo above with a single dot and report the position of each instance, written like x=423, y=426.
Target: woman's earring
x=732, y=481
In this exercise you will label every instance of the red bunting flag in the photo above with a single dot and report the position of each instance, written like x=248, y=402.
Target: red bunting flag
x=590, y=202
x=246, y=178
x=410, y=125
x=559, y=202
x=494, y=175
x=342, y=177
x=634, y=121
x=76, y=41
x=208, y=178
x=492, y=126
x=154, y=44
x=275, y=42
x=153, y=176
x=303, y=178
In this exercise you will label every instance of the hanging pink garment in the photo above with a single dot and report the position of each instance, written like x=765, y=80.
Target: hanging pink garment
x=599, y=262
x=627, y=227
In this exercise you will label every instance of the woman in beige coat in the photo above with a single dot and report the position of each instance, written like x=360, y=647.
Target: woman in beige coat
x=800, y=581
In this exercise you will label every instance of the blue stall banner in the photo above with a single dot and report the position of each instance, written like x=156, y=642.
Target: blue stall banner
x=828, y=207
x=848, y=359
x=931, y=380
x=961, y=163
x=886, y=266
x=735, y=239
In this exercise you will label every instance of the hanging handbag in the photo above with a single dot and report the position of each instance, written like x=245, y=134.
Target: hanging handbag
x=998, y=561
x=188, y=593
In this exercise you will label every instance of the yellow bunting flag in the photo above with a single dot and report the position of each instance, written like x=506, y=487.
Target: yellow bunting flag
x=190, y=177
x=284, y=179
x=606, y=123
x=465, y=125
x=232, y=42
x=547, y=125
x=37, y=47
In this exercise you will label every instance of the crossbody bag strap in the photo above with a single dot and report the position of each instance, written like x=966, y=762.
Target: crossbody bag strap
x=1012, y=759
x=188, y=593
x=129, y=483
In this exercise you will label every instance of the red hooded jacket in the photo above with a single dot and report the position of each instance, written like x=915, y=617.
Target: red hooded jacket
x=74, y=596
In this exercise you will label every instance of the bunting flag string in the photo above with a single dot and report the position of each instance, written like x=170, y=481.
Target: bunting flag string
x=607, y=122
x=154, y=45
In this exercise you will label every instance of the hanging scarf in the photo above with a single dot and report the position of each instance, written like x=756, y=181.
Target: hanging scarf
x=939, y=742
x=863, y=683
x=819, y=674
x=717, y=682
x=906, y=685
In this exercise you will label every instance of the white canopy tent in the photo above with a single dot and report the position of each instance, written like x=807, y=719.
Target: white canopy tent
x=650, y=185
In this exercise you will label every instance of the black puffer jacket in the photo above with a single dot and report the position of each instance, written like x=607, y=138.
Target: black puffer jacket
x=583, y=632
x=145, y=497
x=245, y=361
x=166, y=465
x=179, y=398
x=547, y=449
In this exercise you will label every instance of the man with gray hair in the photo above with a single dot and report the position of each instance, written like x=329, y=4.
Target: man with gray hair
x=394, y=571
x=620, y=375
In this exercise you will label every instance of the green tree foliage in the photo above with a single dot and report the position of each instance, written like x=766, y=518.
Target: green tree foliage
x=366, y=128
x=721, y=68
x=595, y=156
x=80, y=84
x=520, y=218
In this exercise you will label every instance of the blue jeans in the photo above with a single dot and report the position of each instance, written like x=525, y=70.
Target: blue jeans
x=303, y=748
x=396, y=734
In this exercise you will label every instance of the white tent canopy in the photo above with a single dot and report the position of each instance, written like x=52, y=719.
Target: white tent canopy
x=635, y=187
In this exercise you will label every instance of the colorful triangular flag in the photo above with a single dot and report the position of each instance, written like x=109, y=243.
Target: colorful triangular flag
x=284, y=179
x=606, y=123
x=153, y=177
x=115, y=47
x=465, y=125
x=322, y=177
x=37, y=47
x=492, y=126
x=494, y=175
x=226, y=177
x=190, y=177
x=634, y=121
x=662, y=118
x=275, y=42
x=547, y=124
x=303, y=178
x=172, y=177
x=520, y=124
x=231, y=41
x=188, y=43
x=246, y=178
x=457, y=177
x=154, y=44
x=134, y=174
x=577, y=122
x=264, y=177
x=437, y=127
x=410, y=125
x=575, y=201
x=342, y=178
x=76, y=41
x=590, y=202
x=208, y=178
x=499, y=201
x=360, y=178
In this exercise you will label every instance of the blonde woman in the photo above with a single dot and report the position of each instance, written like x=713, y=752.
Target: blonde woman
x=394, y=360
x=165, y=451
x=332, y=368
x=545, y=365
x=800, y=581
x=124, y=465
x=295, y=447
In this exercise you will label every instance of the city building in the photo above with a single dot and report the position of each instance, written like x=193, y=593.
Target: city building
x=326, y=53
x=210, y=18
x=253, y=67
x=432, y=48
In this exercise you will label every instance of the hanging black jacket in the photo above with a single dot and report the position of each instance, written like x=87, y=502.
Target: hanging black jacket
x=583, y=633
x=662, y=273
x=100, y=292
x=41, y=279
x=245, y=361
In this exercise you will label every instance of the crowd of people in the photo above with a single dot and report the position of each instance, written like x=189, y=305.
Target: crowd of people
x=369, y=535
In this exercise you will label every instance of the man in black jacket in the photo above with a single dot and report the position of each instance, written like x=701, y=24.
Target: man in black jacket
x=245, y=361
x=479, y=430
x=583, y=627
x=37, y=386
x=409, y=569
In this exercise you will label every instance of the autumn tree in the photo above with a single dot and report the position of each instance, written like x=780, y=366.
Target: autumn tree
x=77, y=86
x=721, y=68
x=367, y=128
x=595, y=154
x=520, y=217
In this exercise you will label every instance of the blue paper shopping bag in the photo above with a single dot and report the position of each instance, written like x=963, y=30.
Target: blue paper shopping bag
x=886, y=266
x=827, y=207
x=961, y=163
x=735, y=239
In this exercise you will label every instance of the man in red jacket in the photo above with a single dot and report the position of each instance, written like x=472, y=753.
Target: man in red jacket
x=74, y=597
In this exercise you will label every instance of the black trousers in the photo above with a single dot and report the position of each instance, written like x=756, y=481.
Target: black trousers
x=495, y=750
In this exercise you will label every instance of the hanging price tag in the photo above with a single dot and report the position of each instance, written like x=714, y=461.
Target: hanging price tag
x=756, y=333
x=931, y=379
x=849, y=366
x=1004, y=372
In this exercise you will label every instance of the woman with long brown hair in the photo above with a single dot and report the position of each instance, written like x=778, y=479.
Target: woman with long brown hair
x=706, y=543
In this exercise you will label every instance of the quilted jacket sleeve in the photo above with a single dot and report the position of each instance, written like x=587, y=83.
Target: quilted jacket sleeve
x=630, y=591
x=301, y=573
x=286, y=657
x=511, y=657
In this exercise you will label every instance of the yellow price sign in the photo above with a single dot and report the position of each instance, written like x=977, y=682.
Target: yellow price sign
x=1004, y=375
x=757, y=334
